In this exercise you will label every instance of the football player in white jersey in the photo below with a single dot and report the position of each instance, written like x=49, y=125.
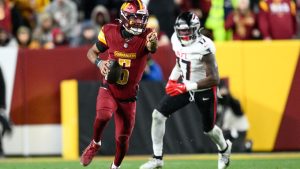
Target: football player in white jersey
x=197, y=66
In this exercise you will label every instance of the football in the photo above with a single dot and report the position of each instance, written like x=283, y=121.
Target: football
x=114, y=73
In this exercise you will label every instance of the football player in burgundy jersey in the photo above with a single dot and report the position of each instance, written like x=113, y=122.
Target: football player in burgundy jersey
x=196, y=64
x=127, y=43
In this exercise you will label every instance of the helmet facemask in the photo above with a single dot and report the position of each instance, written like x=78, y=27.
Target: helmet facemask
x=186, y=28
x=186, y=35
x=135, y=23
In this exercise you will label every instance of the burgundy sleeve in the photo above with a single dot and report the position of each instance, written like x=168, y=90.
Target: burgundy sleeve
x=263, y=22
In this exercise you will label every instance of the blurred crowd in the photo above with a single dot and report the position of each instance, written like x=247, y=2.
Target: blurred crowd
x=50, y=24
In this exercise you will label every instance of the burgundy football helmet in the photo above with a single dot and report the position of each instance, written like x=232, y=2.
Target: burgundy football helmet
x=134, y=16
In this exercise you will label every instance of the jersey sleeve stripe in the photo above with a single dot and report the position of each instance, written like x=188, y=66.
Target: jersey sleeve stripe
x=101, y=37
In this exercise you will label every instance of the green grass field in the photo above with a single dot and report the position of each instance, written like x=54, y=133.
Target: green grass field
x=239, y=161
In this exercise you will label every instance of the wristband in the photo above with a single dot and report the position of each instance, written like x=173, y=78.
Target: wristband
x=98, y=62
x=191, y=86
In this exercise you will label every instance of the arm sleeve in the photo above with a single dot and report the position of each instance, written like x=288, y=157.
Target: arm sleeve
x=101, y=47
x=102, y=39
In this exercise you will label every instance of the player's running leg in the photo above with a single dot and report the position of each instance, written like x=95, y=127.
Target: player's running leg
x=167, y=106
x=206, y=102
x=105, y=107
x=124, y=123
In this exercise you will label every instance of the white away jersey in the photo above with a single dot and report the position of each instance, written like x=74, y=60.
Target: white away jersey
x=189, y=58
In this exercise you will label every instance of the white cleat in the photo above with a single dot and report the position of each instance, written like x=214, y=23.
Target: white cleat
x=153, y=163
x=224, y=158
x=114, y=167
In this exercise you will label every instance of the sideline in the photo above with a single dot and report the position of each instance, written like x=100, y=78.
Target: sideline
x=235, y=156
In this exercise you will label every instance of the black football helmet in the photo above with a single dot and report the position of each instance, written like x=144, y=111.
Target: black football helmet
x=186, y=27
x=134, y=16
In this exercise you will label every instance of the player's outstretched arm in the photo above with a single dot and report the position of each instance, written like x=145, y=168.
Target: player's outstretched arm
x=212, y=73
x=92, y=55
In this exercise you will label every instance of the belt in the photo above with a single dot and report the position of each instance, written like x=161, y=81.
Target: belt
x=127, y=100
x=132, y=99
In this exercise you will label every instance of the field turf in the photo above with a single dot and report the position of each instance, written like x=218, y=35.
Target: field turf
x=239, y=161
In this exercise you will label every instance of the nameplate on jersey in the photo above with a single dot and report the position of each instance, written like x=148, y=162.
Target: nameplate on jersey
x=124, y=55
x=188, y=55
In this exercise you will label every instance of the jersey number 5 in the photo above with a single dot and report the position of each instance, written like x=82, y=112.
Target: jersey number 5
x=125, y=73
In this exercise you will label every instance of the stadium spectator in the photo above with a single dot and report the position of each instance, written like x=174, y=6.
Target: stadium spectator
x=87, y=35
x=215, y=20
x=16, y=16
x=152, y=71
x=100, y=16
x=65, y=15
x=232, y=119
x=184, y=5
x=43, y=32
x=166, y=14
x=24, y=38
x=241, y=21
x=86, y=31
x=5, y=16
x=59, y=38
x=163, y=39
x=36, y=6
x=277, y=19
x=27, y=12
x=5, y=126
x=204, y=5
x=6, y=39
x=298, y=18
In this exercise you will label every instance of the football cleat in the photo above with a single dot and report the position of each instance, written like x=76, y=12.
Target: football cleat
x=89, y=153
x=153, y=163
x=114, y=167
x=224, y=157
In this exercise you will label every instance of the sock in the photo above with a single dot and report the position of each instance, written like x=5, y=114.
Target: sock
x=158, y=132
x=122, y=144
x=98, y=143
x=216, y=135
x=157, y=157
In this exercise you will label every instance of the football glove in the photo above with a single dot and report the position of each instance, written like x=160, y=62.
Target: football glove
x=169, y=84
x=175, y=89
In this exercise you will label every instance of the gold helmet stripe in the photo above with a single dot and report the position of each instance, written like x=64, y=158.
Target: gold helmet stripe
x=140, y=4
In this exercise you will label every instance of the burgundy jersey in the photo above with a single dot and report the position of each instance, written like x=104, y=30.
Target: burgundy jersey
x=277, y=18
x=131, y=54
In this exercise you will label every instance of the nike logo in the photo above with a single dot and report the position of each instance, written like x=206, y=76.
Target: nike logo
x=205, y=99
